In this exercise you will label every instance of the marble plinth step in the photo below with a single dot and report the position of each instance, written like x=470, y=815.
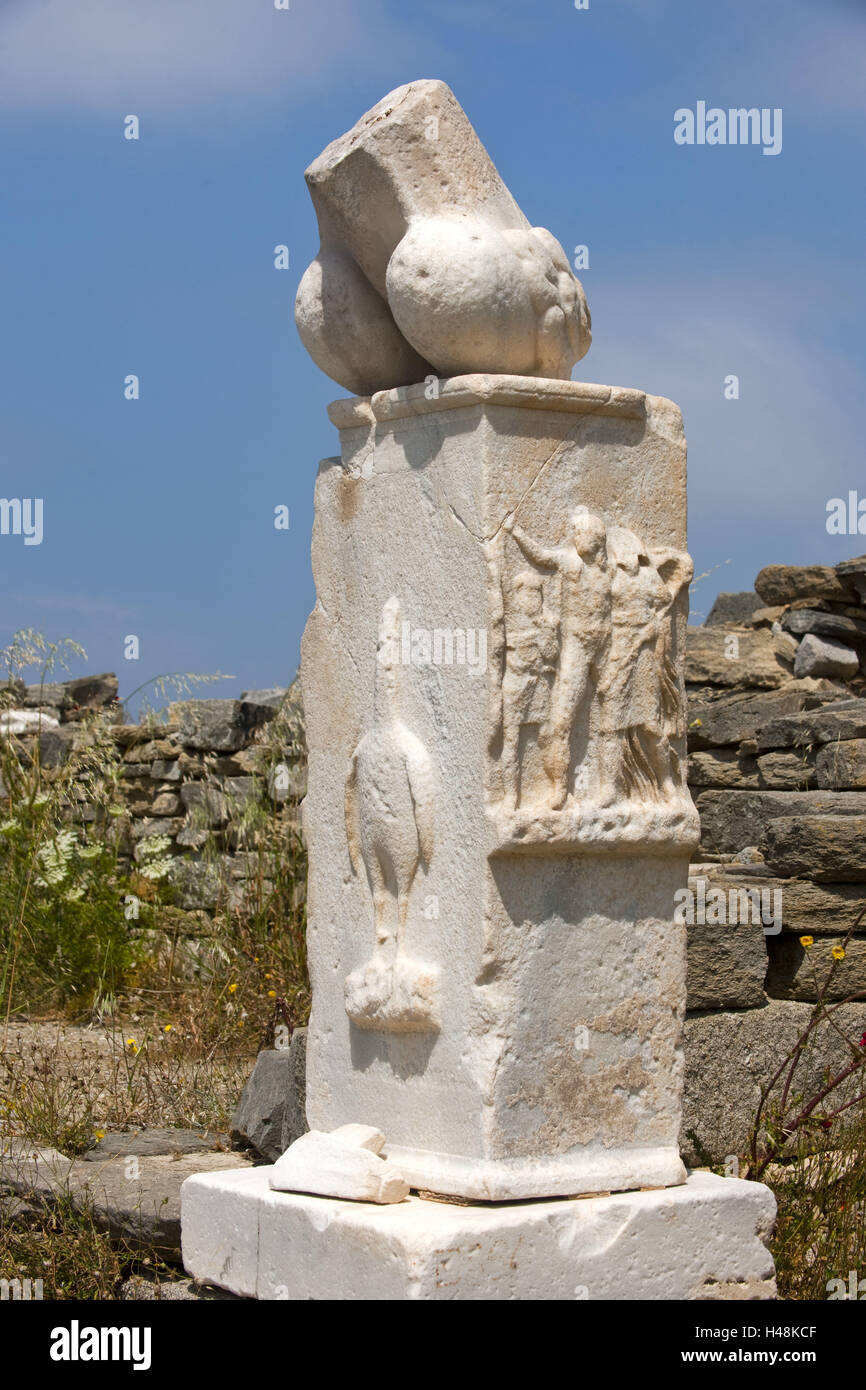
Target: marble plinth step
x=701, y=1240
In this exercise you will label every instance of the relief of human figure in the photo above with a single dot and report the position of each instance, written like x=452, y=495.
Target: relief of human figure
x=585, y=626
x=639, y=705
x=676, y=570
x=531, y=648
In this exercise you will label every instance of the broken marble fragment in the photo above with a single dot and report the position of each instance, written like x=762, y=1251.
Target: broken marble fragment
x=346, y=1163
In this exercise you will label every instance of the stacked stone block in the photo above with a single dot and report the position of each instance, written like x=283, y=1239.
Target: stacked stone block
x=777, y=767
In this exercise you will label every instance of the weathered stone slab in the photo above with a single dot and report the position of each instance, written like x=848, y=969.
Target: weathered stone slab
x=800, y=972
x=766, y=617
x=189, y=836
x=259, y=1119
x=841, y=765
x=730, y=769
x=778, y=584
x=44, y=695
x=811, y=620
x=732, y=608
x=209, y=806
x=826, y=848
x=137, y=1200
x=136, y=770
x=730, y=820
x=730, y=1055
x=165, y=770
x=55, y=745
x=824, y=656
x=210, y=724
x=853, y=573
x=30, y=1170
x=786, y=646
x=700, y=1240
x=125, y=735
x=27, y=721
x=196, y=883
x=840, y=719
x=735, y=718
x=722, y=767
x=260, y=706
x=153, y=827
x=147, y=752
x=810, y=909
x=135, y=1197
x=148, y=1142
x=740, y=656
x=787, y=771
x=295, y=1105
x=92, y=692
x=726, y=966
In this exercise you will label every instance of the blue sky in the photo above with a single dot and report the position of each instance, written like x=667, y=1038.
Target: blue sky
x=155, y=257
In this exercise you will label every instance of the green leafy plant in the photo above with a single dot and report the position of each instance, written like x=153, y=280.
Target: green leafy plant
x=63, y=934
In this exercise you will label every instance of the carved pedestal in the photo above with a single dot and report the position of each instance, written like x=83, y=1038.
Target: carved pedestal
x=497, y=822
x=497, y=816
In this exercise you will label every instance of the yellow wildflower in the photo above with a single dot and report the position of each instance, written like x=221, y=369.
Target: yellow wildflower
x=807, y=941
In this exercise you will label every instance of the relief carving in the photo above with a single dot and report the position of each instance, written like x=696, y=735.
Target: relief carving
x=390, y=830
x=589, y=705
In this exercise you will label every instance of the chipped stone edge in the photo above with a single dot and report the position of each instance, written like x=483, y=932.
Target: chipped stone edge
x=486, y=389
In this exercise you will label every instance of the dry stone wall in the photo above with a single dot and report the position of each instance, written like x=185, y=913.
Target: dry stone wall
x=777, y=767
x=191, y=785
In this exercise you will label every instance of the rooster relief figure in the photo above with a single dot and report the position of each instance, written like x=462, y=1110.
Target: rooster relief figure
x=389, y=824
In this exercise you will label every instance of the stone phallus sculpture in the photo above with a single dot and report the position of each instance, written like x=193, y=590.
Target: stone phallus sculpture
x=511, y=1017
x=427, y=265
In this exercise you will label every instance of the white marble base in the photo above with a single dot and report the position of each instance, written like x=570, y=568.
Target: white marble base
x=702, y=1240
x=579, y=1174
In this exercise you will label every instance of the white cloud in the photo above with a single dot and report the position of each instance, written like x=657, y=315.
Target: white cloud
x=165, y=55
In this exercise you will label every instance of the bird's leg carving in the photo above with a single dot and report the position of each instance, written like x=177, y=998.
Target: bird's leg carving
x=390, y=797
